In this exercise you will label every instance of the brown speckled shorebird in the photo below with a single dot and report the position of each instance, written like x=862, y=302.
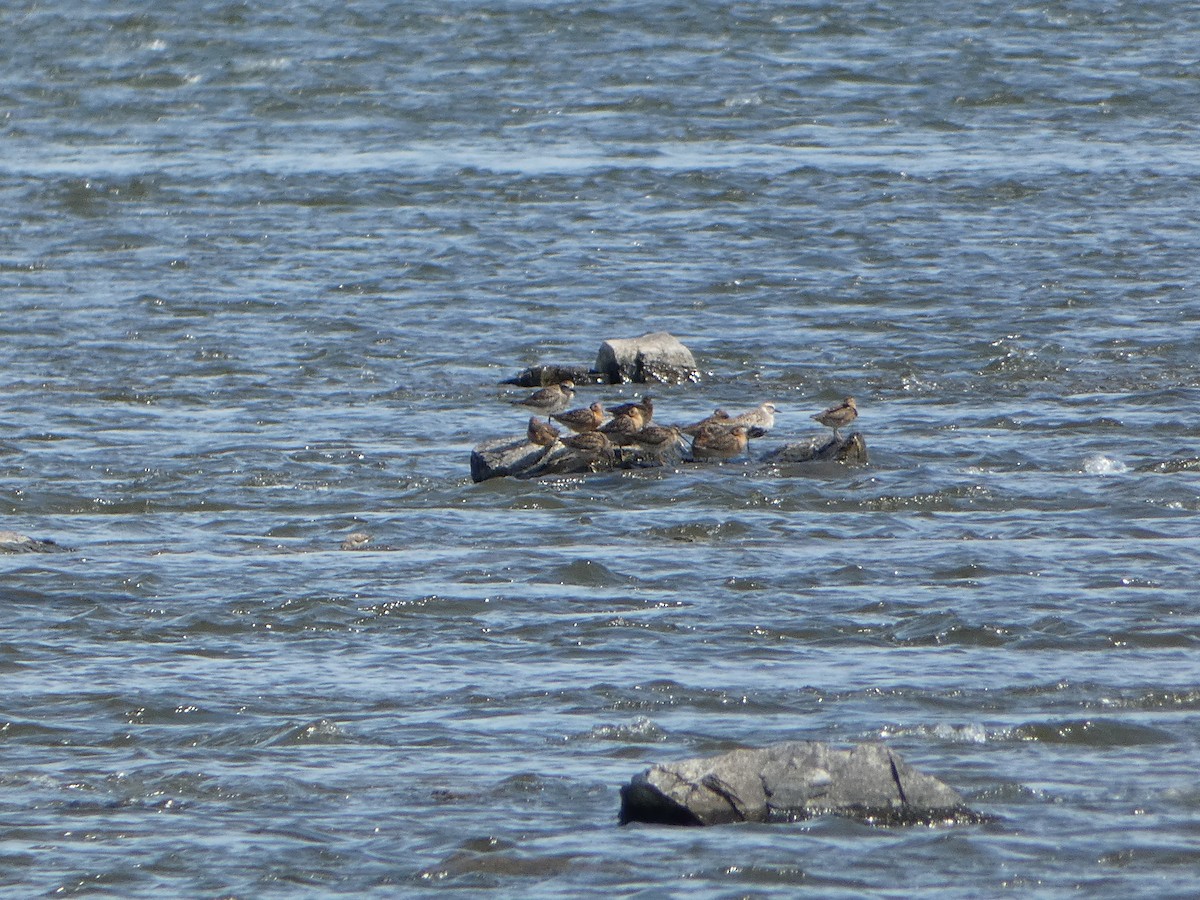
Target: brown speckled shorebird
x=763, y=418
x=838, y=416
x=587, y=418
x=718, y=442
x=645, y=406
x=718, y=417
x=589, y=442
x=620, y=427
x=657, y=439
x=542, y=433
x=552, y=399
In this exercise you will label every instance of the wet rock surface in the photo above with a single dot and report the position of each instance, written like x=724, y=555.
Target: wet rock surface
x=851, y=450
x=655, y=357
x=12, y=542
x=792, y=781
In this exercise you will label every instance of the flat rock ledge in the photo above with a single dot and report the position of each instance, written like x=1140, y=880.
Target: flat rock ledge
x=654, y=358
x=790, y=782
x=520, y=458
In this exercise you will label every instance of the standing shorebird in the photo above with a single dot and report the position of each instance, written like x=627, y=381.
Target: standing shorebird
x=836, y=416
x=549, y=400
x=542, y=433
x=587, y=418
x=718, y=442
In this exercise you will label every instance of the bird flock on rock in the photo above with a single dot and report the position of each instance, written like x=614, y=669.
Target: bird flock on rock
x=599, y=431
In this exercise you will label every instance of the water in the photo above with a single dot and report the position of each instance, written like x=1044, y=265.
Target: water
x=262, y=272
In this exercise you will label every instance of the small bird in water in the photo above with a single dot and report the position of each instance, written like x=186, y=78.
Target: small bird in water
x=542, y=433
x=356, y=541
x=549, y=400
x=657, y=439
x=718, y=417
x=645, y=406
x=718, y=442
x=839, y=415
x=587, y=418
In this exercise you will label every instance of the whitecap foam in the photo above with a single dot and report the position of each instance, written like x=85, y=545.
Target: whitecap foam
x=1099, y=464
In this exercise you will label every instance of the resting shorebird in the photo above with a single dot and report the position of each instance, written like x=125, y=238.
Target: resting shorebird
x=589, y=442
x=356, y=541
x=587, y=418
x=718, y=417
x=717, y=442
x=551, y=399
x=620, y=427
x=762, y=418
x=542, y=433
x=836, y=416
x=645, y=406
x=657, y=439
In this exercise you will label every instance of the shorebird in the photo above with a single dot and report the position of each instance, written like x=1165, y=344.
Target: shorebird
x=356, y=541
x=718, y=417
x=645, y=406
x=657, y=439
x=542, y=433
x=836, y=416
x=620, y=427
x=589, y=442
x=552, y=399
x=761, y=418
x=717, y=442
x=587, y=418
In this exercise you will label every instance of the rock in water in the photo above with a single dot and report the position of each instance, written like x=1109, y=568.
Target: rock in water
x=788, y=782
x=505, y=456
x=12, y=542
x=657, y=357
x=851, y=450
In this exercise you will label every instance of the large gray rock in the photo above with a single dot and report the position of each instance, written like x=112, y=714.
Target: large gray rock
x=788, y=782
x=657, y=357
x=852, y=450
x=517, y=457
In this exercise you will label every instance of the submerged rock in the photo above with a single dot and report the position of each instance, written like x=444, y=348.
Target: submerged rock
x=792, y=781
x=656, y=357
x=851, y=450
x=12, y=542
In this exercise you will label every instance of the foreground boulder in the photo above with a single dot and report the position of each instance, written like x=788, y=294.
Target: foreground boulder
x=789, y=782
x=851, y=450
x=657, y=357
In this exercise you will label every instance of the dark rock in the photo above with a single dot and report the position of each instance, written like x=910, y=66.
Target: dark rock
x=789, y=782
x=657, y=357
x=852, y=450
x=11, y=542
x=544, y=376
x=505, y=456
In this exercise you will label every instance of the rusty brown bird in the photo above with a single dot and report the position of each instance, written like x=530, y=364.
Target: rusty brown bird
x=718, y=417
x=718, y=442
x=542, y=433
x=589, y=442
x=552, y=399
x=657, y=439
x=839, y=415
x=645, y=406
x=619, y=428
x=586, y=418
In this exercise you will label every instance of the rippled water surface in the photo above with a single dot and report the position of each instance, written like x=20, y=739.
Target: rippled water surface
x=263, y=269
